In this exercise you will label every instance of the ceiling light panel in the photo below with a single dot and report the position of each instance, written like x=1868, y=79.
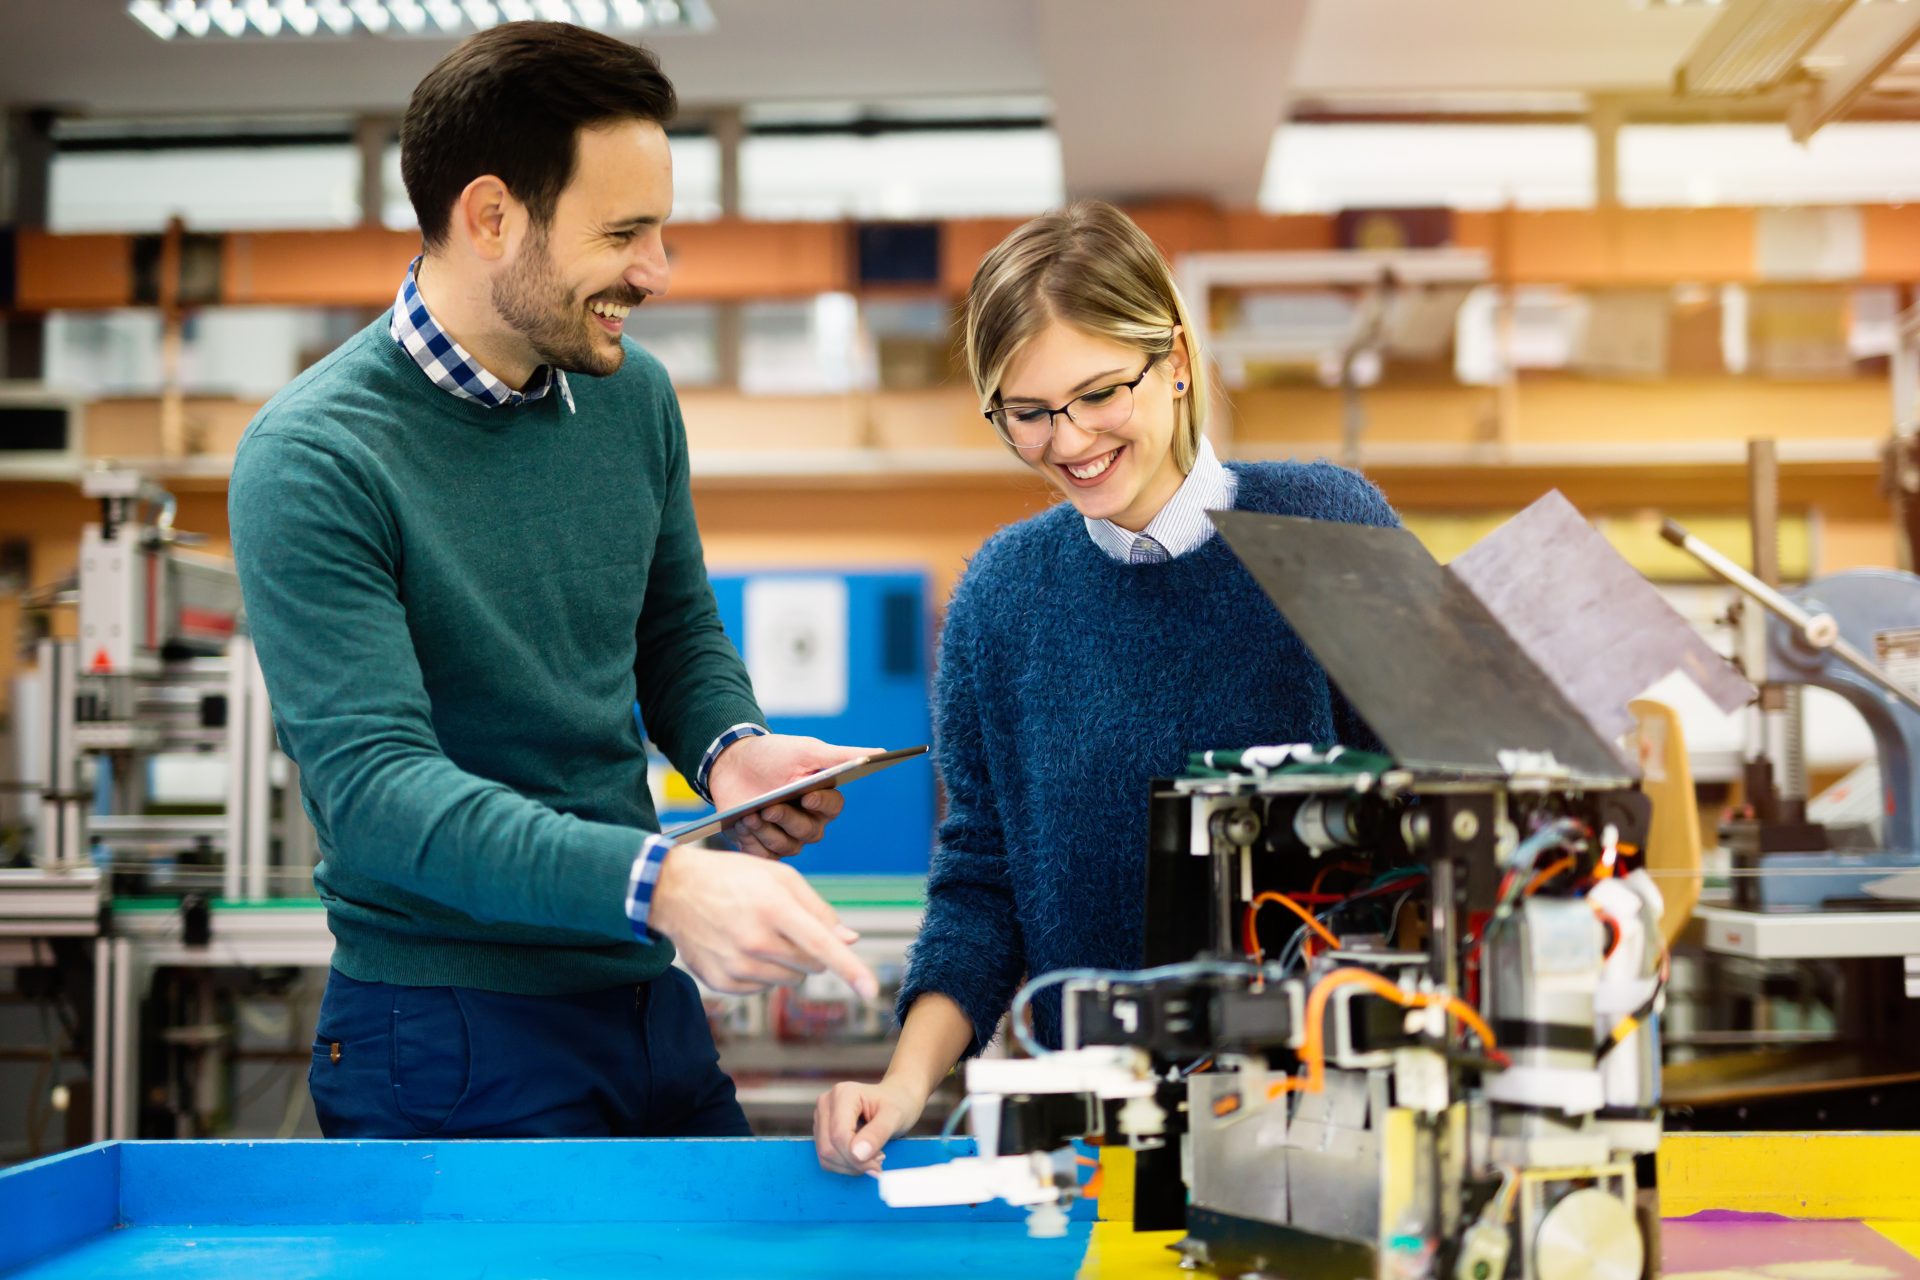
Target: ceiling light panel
x=339, y=19
x=1756, y=45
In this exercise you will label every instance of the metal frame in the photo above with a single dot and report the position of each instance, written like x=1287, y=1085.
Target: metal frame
x=250, y=744
x=1200, y=273
x=38, y=903
x=243, y=937
x=59, y=835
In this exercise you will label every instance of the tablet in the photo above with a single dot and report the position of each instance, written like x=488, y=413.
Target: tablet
x=858, y=767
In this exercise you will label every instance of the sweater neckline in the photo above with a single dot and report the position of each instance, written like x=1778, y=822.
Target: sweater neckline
x=405, y=368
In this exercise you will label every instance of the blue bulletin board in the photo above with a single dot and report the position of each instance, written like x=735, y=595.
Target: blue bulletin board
x=844, y=657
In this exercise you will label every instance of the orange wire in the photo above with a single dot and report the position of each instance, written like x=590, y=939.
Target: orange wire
x=1552, y=869
x=1312, y=1048
x=1253, y=911
x=1615, y=934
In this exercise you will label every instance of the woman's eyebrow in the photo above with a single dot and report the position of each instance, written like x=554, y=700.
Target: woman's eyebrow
x=1078, y=387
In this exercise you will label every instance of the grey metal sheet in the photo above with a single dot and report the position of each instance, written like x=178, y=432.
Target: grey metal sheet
x=1587, y=618
x=1413, y=649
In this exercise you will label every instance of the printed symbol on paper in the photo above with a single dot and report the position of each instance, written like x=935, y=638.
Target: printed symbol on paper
x=796, y=644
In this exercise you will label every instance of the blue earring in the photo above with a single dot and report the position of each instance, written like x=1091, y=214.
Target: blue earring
x=1179, y=386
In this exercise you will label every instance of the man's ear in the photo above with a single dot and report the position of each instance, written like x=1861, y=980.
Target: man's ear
x=484, y=215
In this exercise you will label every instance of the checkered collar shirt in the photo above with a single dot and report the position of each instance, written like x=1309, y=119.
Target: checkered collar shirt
x=448, y=363
x=1182, y=524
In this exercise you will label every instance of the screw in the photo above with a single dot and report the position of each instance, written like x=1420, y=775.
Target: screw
x=1466, y=825
x=1242, y=828
x=1419, y=828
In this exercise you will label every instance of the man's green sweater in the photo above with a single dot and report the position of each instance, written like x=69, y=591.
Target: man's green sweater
x=456, y=607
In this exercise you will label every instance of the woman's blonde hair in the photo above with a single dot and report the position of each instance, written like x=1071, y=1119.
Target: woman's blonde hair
x=1091, y=266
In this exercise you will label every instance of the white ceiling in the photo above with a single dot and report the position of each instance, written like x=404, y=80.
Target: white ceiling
x=1149, y=95
x=91, y=55
x=88, y=54
x=1486, y=46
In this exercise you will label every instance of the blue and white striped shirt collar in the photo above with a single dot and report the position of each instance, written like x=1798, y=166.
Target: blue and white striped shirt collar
x=1182, y=524
x=448, y=363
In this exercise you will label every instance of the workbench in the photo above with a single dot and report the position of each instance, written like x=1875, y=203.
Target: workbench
x=1737, y=1203
x=132, y=937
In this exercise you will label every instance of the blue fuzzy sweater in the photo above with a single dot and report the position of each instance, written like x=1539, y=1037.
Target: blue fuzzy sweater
x=1067, y=681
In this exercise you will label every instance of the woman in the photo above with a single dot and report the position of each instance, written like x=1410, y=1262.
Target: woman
x=1087, y=649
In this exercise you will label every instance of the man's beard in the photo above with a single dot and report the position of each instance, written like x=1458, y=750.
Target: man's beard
x=538, y=306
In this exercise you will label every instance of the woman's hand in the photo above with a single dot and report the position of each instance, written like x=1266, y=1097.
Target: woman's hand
x=852, y=1122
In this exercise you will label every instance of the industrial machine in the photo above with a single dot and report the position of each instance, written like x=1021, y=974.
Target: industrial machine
x=1856, y=633
x=1399, y=1015
x=163, y=806
x=159, y=686
x=1794, y=991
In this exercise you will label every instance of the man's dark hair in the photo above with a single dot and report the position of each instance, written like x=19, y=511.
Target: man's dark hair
x=510, y=102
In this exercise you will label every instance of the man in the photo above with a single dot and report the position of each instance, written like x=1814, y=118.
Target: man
x=467, y=547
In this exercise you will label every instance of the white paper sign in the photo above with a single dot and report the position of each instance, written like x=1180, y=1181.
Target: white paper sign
x=796, y=645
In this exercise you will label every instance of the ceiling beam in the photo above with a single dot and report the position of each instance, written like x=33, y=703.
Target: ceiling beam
x=1155, y=100
x=1874, y=39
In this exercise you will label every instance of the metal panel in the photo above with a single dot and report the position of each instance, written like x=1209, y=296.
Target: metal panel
x=1239, y=1165
x=1587, y=618
x=1436, y=676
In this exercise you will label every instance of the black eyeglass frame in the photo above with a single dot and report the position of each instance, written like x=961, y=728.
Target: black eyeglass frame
x=1067, y=408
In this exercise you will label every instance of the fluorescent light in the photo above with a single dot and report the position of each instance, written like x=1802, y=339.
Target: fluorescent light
x=300, y=18
x=336, y=15
x=153, y=18
x=265, y=18
x=274, y=19
x=193, y=19
x=226, y=15
x=1756, y=44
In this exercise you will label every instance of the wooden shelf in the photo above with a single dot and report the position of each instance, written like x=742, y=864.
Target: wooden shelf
x=737, y=261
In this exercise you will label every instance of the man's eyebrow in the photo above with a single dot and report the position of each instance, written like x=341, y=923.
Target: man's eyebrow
x=637, y=220
x=1078, y=387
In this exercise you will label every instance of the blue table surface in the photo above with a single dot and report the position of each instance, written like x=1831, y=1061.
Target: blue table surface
x=725, y=1207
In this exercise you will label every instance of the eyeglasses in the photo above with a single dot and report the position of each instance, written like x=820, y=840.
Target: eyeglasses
x=1030, y=426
